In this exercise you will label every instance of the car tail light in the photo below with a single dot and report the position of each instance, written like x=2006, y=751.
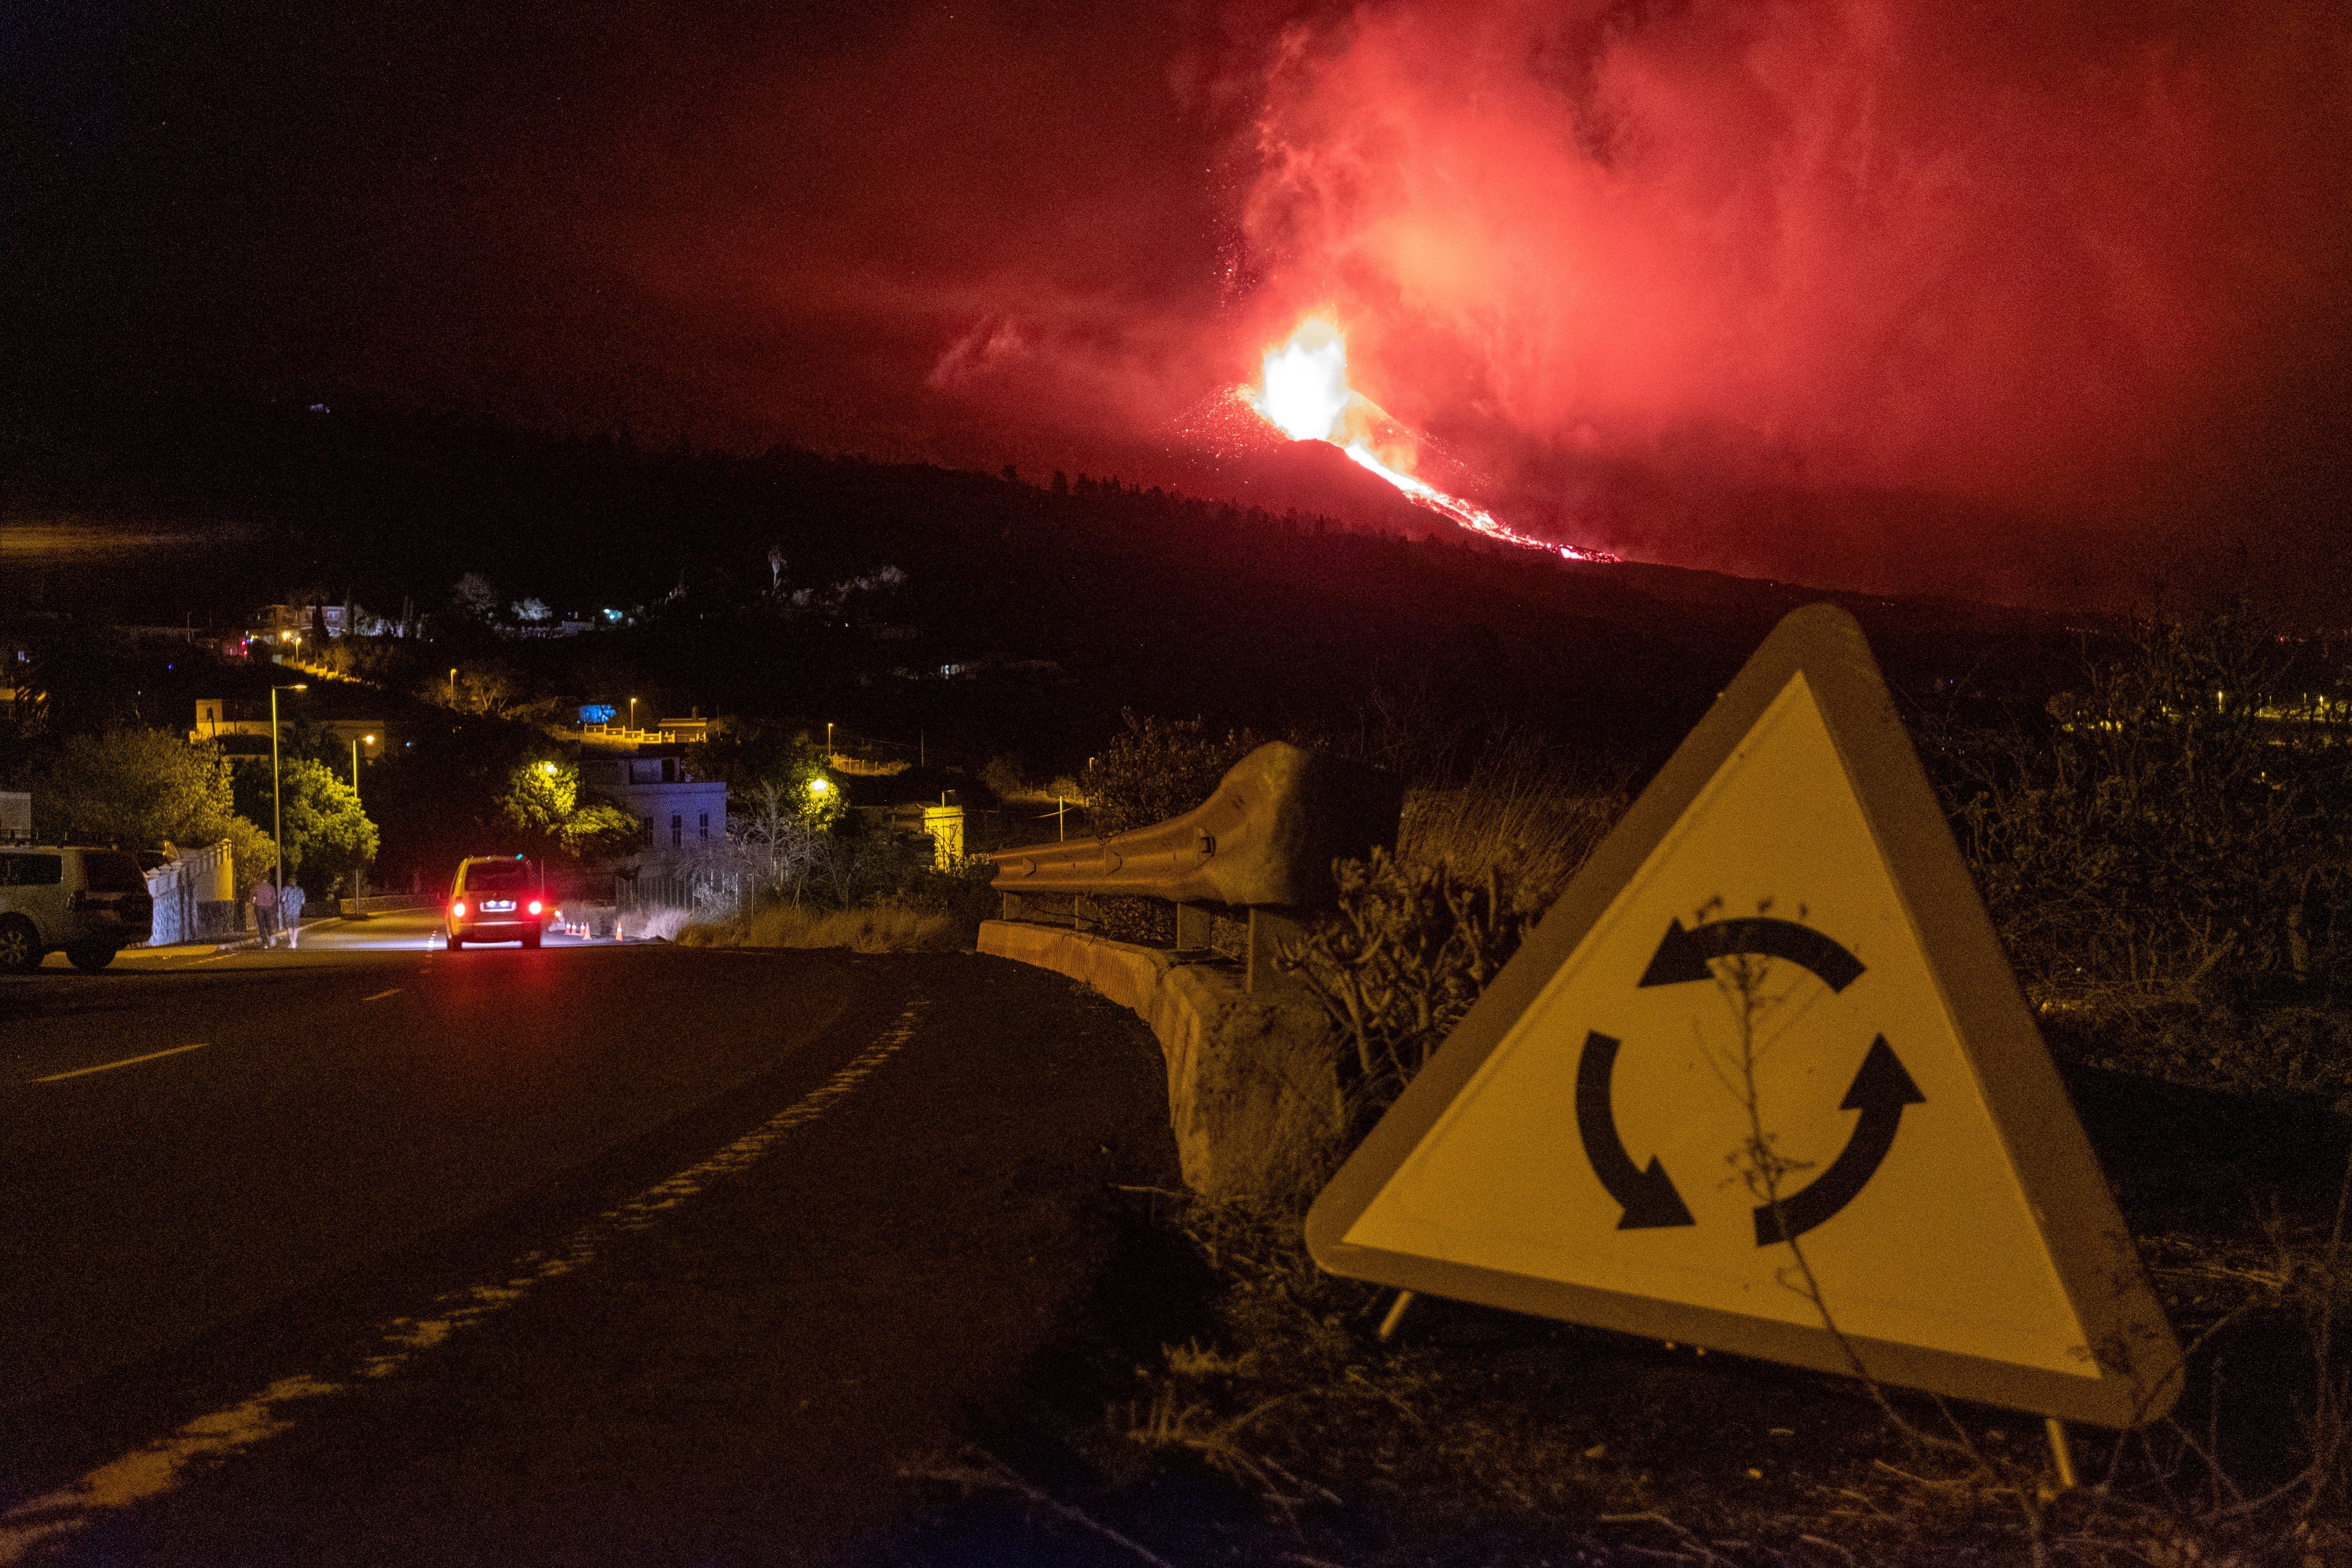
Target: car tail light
x=534, y=906
x=457, y=909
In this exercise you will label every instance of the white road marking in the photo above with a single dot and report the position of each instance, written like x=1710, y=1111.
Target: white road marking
x=381, y=996
x=221, y=1435
x=125, y=1062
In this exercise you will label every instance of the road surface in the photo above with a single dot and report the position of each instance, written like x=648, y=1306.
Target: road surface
x=371, y=1251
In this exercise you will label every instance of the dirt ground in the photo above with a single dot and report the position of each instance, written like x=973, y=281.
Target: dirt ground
x=1229, y=1404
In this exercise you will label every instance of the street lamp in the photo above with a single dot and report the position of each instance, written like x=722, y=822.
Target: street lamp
x=453, y=686
x=277, y=798
x=633, y=715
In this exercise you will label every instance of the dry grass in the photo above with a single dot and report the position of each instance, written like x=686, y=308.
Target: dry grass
x=644, y=925
x=877, y=930
x=1523, y=809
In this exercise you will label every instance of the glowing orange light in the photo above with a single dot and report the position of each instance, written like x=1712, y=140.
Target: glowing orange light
x=1303, y=392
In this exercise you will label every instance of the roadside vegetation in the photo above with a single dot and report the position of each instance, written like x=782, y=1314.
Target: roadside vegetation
x=2164, y=849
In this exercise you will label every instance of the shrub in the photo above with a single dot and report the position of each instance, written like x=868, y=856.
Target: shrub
x=1159, y=768
x=1417, y=936
x=1411, y=948
x=2174, y=832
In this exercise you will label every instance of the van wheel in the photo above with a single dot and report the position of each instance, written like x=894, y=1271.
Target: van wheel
x=532, y=940
x=455, y=941
x=89, y=957
x=20, y=945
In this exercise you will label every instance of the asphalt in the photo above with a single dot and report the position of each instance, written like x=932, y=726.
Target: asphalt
x=595, y=1254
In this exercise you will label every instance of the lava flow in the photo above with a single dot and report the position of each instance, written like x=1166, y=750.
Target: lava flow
x=1304, y=393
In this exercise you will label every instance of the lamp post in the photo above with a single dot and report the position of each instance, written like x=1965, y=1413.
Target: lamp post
x=828, y=743
x=277, y=797
x=453, y=686
x=633, y=715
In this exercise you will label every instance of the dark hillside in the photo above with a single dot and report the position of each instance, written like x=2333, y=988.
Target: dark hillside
x=1110, y=595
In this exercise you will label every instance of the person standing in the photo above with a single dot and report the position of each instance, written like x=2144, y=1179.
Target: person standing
x=289, y=913
x=265, y=911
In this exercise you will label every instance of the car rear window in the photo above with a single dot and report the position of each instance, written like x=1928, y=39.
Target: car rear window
x=493, y=878
x=112, y=871
x=31, y=870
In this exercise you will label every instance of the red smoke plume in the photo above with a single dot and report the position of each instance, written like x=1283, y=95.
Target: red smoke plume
x=2016, y=256
x=2010, y=296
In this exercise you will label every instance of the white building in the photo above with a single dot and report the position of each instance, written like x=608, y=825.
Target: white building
x=675, y=811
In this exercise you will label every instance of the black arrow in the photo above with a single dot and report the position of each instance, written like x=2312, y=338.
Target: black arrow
x=1881, y=1090
x=1682, y=954
x=1650, y=1199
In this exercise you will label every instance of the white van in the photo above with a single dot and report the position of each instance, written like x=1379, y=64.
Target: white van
x=90, y=902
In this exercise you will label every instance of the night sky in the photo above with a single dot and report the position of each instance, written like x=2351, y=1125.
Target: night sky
x=2044, y=301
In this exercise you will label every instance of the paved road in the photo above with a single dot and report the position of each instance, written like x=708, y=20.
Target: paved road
x=369, y=1251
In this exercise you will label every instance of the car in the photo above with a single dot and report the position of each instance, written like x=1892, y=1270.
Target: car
x=91, y=902
x=496, y=898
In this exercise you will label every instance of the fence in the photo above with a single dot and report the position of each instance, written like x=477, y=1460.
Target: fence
x=703, y=893
x=1262, y=844
x=194, y=896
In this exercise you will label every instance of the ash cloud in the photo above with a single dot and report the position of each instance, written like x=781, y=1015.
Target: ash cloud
x=2072, y=273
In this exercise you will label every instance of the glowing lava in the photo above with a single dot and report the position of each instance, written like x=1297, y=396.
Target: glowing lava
x=1303, y=392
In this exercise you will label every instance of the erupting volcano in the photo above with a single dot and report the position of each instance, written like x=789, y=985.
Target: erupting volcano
x=1303, y=392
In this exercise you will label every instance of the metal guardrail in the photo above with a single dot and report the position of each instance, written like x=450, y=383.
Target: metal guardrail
x=1264, y=842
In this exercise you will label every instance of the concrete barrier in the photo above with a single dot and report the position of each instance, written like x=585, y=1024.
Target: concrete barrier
x=1251, y=1098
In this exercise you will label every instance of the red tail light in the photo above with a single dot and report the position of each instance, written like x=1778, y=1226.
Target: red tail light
x=534, y=906
x=457, y=909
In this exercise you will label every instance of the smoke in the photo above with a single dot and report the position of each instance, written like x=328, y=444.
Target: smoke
x=2058, y=260
x=1939, y=294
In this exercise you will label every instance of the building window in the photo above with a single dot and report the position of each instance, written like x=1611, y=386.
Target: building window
x=706, y=828
x=677, y=832
x=650, y=830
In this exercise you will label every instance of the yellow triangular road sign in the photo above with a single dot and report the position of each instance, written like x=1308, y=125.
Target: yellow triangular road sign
x=1762, y=1081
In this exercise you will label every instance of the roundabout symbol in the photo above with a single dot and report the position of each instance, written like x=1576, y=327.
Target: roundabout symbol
x=1881, y=1088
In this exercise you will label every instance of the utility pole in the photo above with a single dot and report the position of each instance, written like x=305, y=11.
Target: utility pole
x=277, y=796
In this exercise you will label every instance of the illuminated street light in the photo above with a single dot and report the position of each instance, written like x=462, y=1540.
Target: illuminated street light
x=453, y=686
x=818, y=787
x=633, y=715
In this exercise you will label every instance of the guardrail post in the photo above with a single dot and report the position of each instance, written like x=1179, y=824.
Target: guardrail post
x=1196, y=928
x=1084, y=913
x=1012, y=906
x=1269, y=929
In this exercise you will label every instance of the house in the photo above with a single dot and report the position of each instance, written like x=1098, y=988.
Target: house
x=676, y=812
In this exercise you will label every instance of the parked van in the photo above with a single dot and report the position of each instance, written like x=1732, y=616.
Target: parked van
x=90, y=902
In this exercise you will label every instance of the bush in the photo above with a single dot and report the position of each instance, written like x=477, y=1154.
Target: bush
x=1159, y=768
x=1410, y=950
x=2175, y=832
